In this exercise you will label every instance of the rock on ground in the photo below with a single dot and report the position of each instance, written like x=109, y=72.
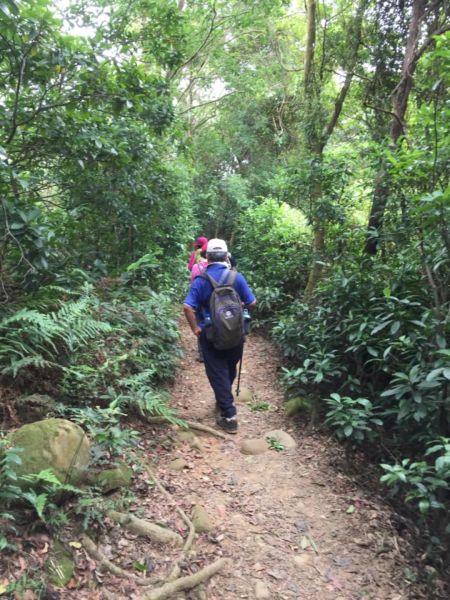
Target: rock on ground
x=55, y=444
x=283, y=437
x=201, y=520
x=254, y=446
x=112, y=479
x=245, y=395
x=178, y=464
x=60, y=565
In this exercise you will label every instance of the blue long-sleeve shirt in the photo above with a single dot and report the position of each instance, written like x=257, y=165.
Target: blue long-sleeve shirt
x=201, y=290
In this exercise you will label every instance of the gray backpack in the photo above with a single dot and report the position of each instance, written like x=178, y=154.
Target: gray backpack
x=227, y=318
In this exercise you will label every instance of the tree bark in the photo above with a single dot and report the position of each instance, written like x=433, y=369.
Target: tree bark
x=383, y=181
x=316, y=139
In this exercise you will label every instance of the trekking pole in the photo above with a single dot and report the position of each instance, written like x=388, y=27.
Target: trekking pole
x=239, y=374
x=246, y=331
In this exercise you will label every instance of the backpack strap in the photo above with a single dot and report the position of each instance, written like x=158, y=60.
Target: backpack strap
x=227, y=274
x=223, y=277
x=232, y=277
x=207, y=276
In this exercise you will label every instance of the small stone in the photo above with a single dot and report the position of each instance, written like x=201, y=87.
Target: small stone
x=302, y=560
x=196, y=444
x=254, y=446
x=201, y=520
x=283, y=437
x=245, y=395
x=184, y=435
x=262, y=592
x=178, y=464
x=112, y=479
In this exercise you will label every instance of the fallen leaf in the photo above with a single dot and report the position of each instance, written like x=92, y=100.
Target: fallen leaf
x=43, y=550
x=351, y=509
x=75, y=545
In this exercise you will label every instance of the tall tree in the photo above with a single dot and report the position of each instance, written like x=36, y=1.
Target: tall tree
x=319, y=121
x=427, y=20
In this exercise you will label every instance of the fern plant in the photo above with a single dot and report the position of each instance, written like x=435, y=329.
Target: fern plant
x=39, y=339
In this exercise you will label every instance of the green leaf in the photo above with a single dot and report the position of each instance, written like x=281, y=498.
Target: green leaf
x=379, y=327
x=395, y=327
x=351, y=509
x=434, y=374
x=41, y=501
x=139, y=566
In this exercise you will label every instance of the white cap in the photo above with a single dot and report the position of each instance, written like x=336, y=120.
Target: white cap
x=216, y=245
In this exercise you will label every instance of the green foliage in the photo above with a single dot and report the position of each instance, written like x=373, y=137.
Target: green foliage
x=30, y=338
x=41, y=493
x=425, y=484
x=261, y=407
x=10, y=492
x=103, y=426
x=352, y=419
x=87, y=176
x=272, y=252
x=274, y=444
x=137, y=355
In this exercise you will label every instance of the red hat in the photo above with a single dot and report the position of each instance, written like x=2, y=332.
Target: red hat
x=200, y=241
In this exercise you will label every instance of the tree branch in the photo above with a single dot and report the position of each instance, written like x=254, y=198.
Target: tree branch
x=200, y=48
x=430, y=40
x=339, y=103
x=208, y=102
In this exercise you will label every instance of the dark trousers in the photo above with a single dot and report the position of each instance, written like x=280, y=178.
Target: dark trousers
x=221, y=368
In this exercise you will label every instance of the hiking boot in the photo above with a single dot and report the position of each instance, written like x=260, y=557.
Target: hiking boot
x=228, y=425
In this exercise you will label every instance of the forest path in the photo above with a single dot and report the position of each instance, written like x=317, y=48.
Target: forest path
x=282, y=517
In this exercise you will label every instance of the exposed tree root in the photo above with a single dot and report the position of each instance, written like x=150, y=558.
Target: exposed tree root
x=92, y=549
x=191, y=424
x=190, y=538
x=145, y=528
x=188, y=582
x=164, y=591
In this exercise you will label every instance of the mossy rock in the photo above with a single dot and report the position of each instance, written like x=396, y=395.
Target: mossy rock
x=185, y=435
x=111, y=479
x=245, y=395
x=298, y=405
x=55, y=444
x=34, y=407
x=178, y=464
x=254, y=446
x=60, y=565
x=201, y=520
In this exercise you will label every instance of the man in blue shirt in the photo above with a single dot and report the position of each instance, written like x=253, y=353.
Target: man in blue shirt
x=220, y=365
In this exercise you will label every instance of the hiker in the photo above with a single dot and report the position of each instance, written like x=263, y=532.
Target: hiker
x=197, y=270
x=222, y=345
x=195, y=254
x=199, y=267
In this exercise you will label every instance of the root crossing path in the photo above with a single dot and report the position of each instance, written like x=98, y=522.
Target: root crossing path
x=292, y=523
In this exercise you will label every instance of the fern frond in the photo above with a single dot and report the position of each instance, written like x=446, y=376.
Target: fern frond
x=29, y=361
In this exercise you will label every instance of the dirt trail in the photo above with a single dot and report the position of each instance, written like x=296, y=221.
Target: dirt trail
x=288, y=519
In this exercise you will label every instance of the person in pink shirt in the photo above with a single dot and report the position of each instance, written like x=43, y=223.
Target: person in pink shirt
x=199, y=267
x=198, y=244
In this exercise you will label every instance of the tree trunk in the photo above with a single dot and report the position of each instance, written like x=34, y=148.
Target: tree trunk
x=383, y=181
x=316, y=136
